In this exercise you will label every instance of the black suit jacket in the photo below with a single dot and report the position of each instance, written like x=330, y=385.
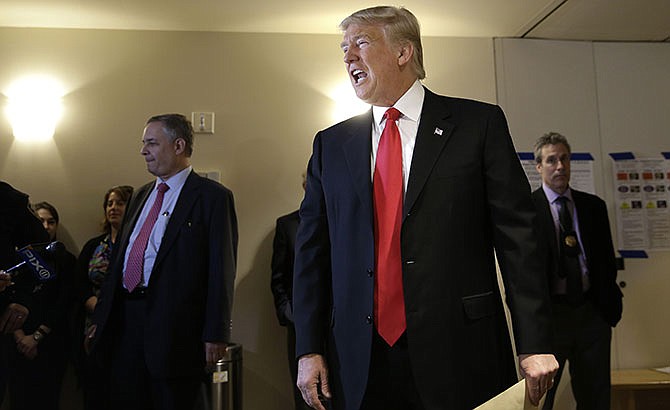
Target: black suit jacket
x=467, y=194
x=190, y=292
x=594, y=230
x=283, y=253
x=18, y=227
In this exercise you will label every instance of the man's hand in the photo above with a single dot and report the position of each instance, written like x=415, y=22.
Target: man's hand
x=88, y=338
x=215, y=351
x=90, y=303
x=539, y=371
x=25, y=344
x=5, y=280
x=313, y=380
x=13, y=318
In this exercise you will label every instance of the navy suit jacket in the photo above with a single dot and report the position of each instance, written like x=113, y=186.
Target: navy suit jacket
x=190, y=292
x=594, y=230
x=467, y=194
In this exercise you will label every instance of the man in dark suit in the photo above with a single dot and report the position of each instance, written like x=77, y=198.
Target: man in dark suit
x=281, y=283
x=581, y=271
x=396, y=300
x=19, y=227
x=165, y=309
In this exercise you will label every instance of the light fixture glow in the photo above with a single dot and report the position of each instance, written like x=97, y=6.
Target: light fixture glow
x=346, y=103
x=34, y=107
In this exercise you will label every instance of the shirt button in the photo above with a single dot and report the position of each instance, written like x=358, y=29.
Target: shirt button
x=368, y=319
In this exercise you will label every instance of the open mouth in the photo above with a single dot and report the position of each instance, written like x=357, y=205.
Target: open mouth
x=358, y=75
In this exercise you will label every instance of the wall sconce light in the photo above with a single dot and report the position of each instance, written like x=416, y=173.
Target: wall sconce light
x=34, y=107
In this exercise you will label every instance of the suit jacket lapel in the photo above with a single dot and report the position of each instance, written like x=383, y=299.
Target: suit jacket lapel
x=434, y=131
x=547, y=219
x=130, y=219
x=187, y=197
x=357, y=151
x=584, y=223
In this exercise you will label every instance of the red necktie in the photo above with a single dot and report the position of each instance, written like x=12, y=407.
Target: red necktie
x=388, y=198
x=135, y=264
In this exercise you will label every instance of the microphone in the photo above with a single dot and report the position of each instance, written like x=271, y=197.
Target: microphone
x=32, y=259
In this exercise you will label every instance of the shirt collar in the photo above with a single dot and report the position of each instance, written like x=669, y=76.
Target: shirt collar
x=177, y=180
x=410, y=104
x=552, y=196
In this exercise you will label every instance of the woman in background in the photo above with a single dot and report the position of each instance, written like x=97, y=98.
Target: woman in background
x=91, y=270
x=37, y=365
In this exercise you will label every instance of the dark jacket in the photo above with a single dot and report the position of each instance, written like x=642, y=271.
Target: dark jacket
x=190, y=293
x=283, y=253
x=467, y=194
x=594, y=229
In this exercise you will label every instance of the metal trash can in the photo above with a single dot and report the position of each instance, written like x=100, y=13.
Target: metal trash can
x=225, y=381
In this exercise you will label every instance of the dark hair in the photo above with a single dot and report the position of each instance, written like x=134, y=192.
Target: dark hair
x=400, y=26
x=176, y=126
x=124, y=192
x=45, y=205
x=550, y=138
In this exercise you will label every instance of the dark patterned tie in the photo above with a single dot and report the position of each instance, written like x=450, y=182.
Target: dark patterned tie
x=569, y=252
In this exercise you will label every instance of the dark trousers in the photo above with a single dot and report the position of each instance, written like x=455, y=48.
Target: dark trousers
x=4, y=346
x=391, y=384
x=583, y=338
x=36, y=383
x=131, y=385
x=94, y=381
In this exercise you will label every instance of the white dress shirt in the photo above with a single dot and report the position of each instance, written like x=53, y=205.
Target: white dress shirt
x=176, y=183
x=410, y=106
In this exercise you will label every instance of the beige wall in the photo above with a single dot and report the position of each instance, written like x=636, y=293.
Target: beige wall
x=270, y=94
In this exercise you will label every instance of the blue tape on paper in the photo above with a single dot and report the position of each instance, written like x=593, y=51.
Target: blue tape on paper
x=633, y=254
x=619, y=156
x=581, y=156
x=526, y=156
x=666, y=155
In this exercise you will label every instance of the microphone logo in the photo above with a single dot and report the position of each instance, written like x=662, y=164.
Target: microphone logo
x=37, y=265
x=32, y=259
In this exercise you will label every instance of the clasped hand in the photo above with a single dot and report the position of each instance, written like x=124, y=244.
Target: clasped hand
x=539, y=371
